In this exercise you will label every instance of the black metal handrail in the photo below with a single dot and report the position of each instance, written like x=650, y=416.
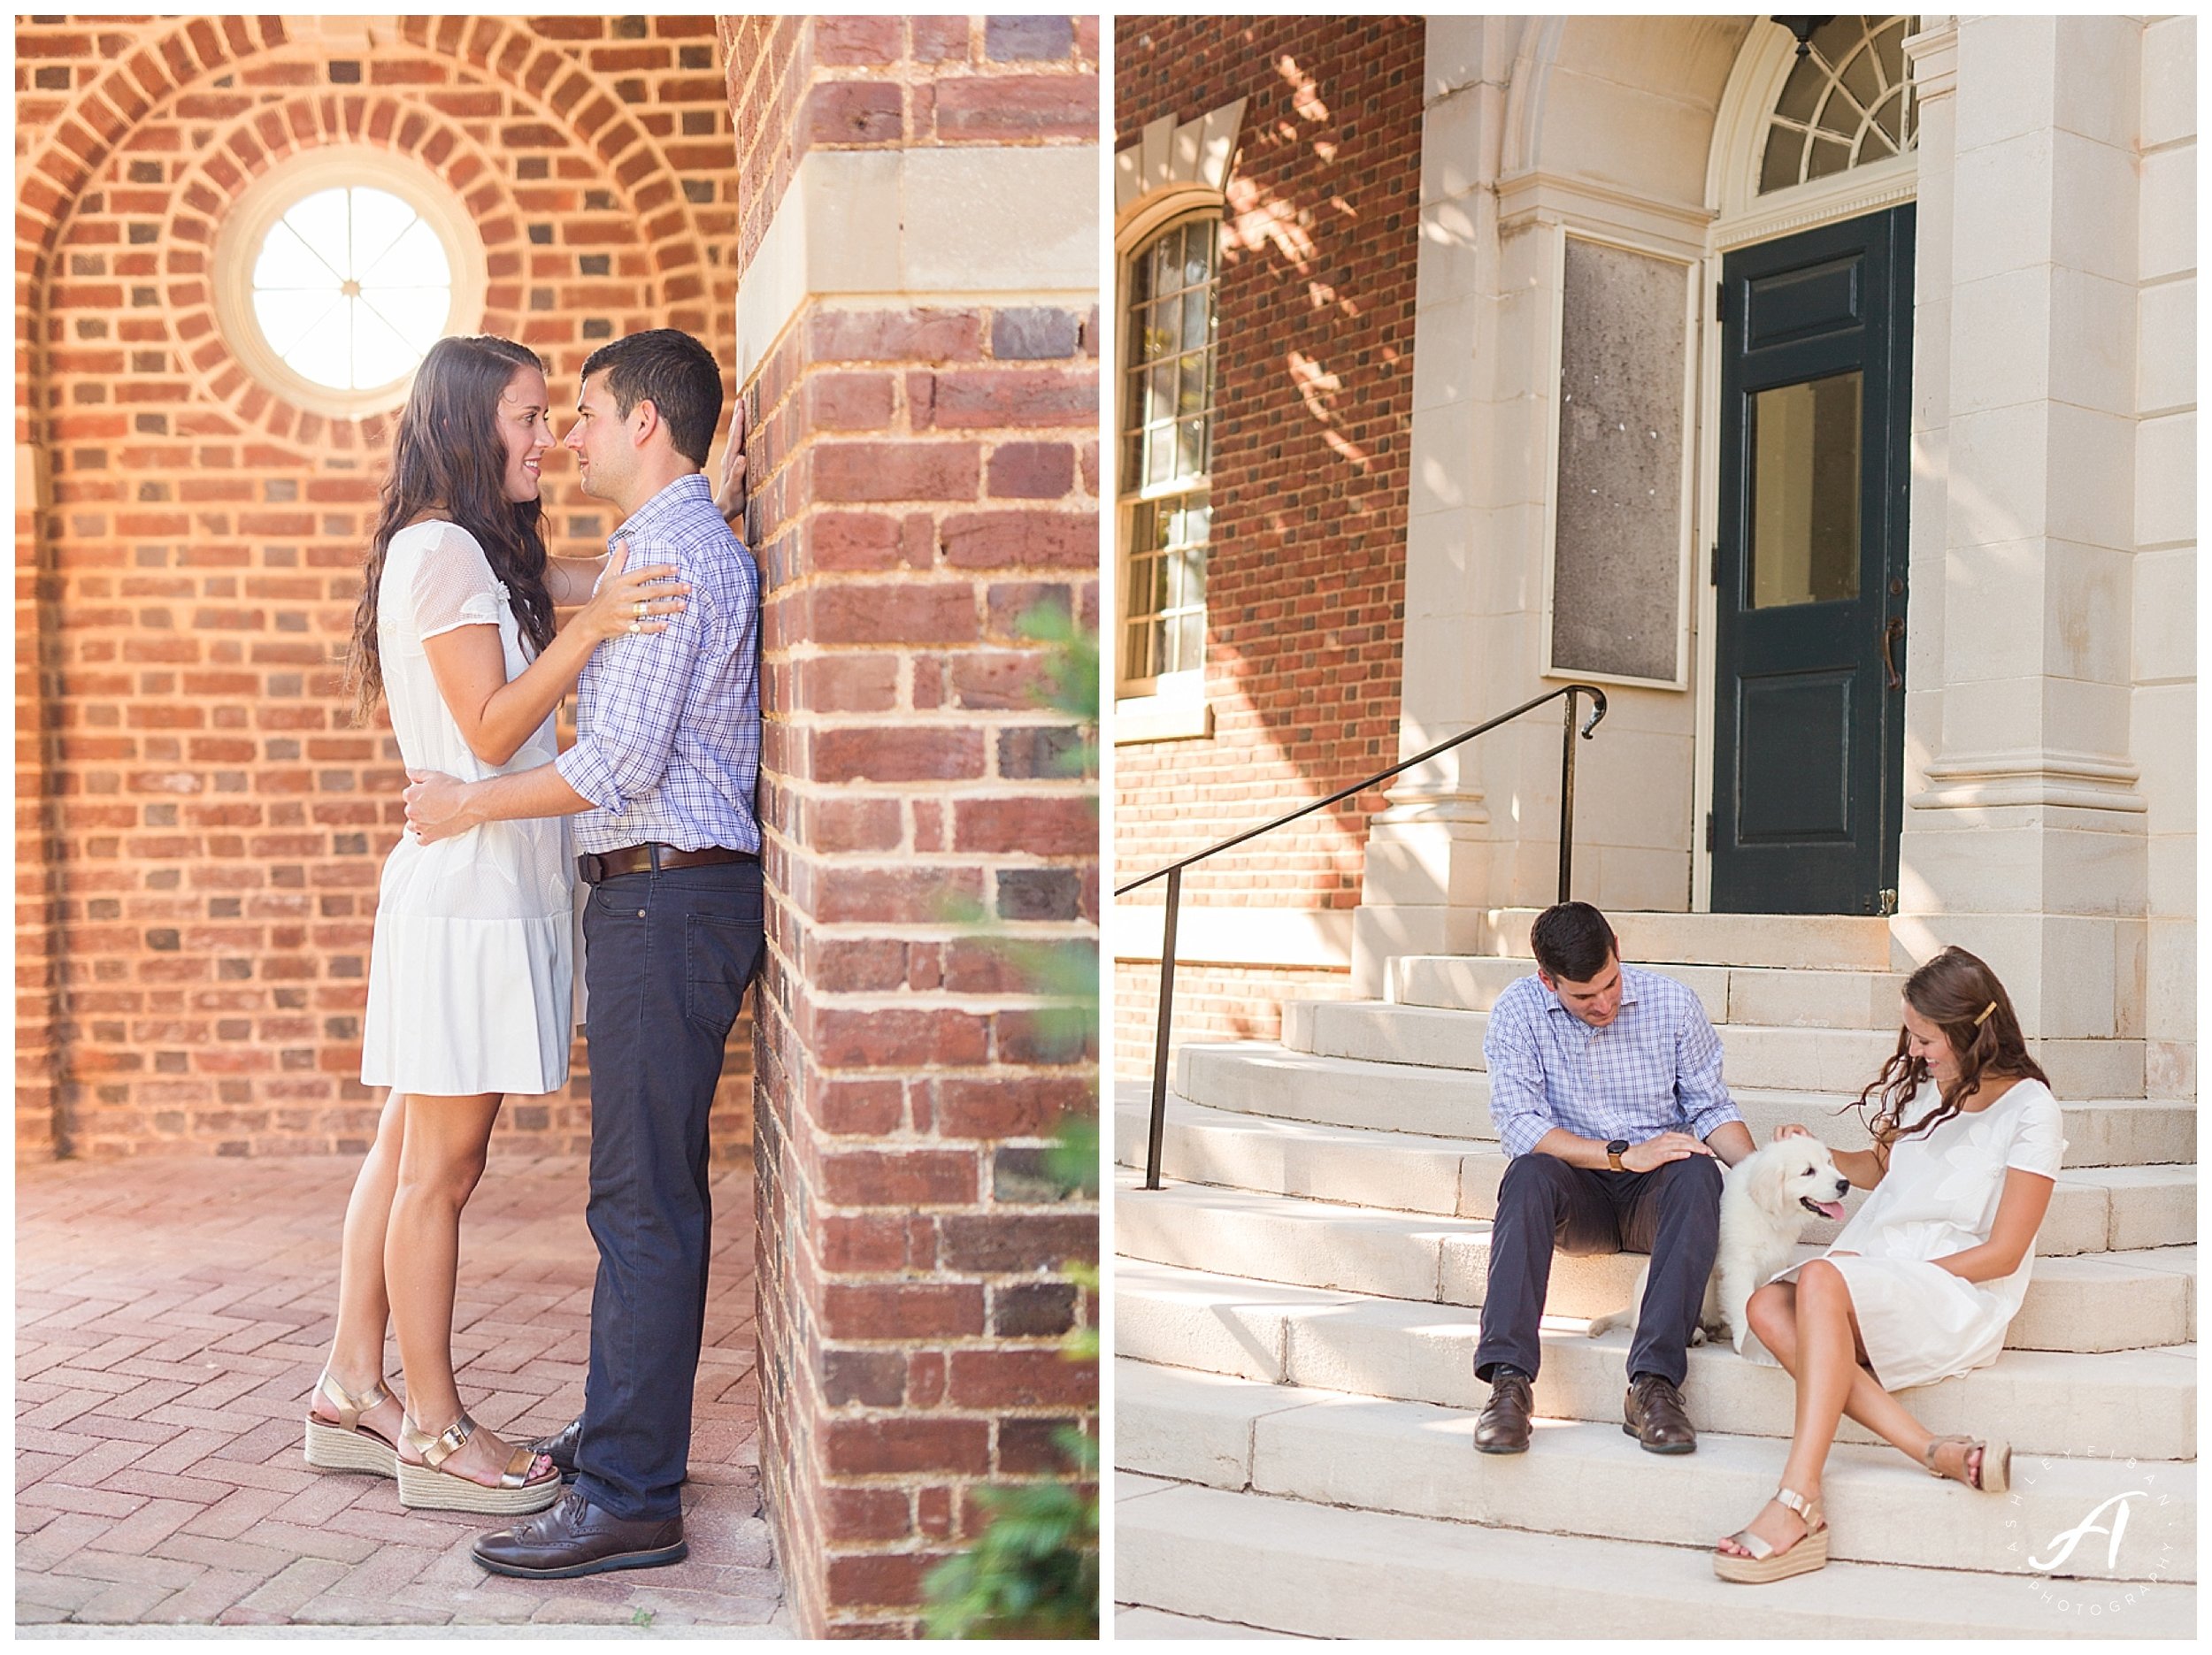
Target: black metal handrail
x=1174, y=872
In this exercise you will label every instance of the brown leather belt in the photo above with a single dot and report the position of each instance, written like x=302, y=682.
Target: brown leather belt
x=653, y=858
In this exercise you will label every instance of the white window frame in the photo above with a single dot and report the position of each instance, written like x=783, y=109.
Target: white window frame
x=272, y=195
x=1162, y=704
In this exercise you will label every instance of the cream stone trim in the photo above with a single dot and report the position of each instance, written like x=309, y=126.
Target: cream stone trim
x=267, y=199
x=1971, y=781
x=980, y=220
x=1192, y=158
x=1662, y=229
x=1172, y=714
x=1315, y=940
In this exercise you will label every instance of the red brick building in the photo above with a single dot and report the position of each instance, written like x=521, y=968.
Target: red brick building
x=1311, y=397
x=200, y=826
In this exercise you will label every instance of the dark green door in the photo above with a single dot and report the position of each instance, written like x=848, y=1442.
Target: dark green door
x=1816, y=377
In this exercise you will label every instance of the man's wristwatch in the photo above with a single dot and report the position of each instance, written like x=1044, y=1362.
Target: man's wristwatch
x=1613, y=1151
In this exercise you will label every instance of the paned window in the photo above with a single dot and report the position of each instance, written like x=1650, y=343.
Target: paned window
x=351, y=287
x=1848, y=101
x=335, y=272
x=1167, y=407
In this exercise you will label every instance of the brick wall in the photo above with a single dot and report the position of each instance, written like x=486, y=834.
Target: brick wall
x=1314, y=400
x=199, y=826
x=927, y=474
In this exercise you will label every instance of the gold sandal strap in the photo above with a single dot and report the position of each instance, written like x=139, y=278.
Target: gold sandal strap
x=350, y=1407
x=1928, y=1454
x=518, y=1472
x=435, y=1451
x=1802, y=1507
x=1760, y=1550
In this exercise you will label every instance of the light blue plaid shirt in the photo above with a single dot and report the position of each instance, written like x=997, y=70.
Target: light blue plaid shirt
x=1655, y=1069
x=668, y=724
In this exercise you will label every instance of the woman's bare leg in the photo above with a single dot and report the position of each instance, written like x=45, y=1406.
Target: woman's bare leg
x=441, y=1156
x=357, y=1344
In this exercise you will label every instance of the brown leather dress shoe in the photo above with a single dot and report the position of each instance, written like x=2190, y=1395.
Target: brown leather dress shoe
x=574, y=1537
x=1502, y=1427
x=1654, y=1415
x=560, y=1447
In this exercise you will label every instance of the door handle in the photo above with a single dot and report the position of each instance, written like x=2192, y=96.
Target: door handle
x=1893, y=631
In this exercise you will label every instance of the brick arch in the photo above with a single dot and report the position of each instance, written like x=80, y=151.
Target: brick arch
x=519, y=58
x=201, y=48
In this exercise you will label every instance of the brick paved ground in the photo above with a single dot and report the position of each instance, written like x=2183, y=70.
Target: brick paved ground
x=171, y=1317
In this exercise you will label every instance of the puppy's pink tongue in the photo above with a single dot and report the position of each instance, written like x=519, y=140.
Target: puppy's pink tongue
x=1830, y=1209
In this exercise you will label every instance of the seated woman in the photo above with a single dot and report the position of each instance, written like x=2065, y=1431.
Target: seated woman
x=1922, y=1283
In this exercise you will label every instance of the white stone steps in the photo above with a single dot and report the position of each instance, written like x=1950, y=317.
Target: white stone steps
x=1259, y=1077
x=1321, y=1571
x=1798, y=1059
x=1816, y=942
x=2104, y=1302
x=1589, y=1478
x=2093, y=1210
x=1152, y=1625
x=1768, y=995
x=2105, y=1406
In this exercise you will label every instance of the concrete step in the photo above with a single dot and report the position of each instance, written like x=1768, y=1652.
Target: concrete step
x=1804, y=1059
x=2093, y=1209
x=1258, y=1077
x=2111, y=1301
x=2105, y=1406
x=1153, y=1625
x=1773, y=996
x=1590, y=1478
x=1261, y=1560
x=1816, y=942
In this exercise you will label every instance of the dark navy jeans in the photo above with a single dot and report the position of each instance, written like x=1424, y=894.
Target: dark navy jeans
x=667, y=957
x=1672, y=1213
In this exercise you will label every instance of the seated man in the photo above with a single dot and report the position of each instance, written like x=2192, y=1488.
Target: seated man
x=1606, y=1090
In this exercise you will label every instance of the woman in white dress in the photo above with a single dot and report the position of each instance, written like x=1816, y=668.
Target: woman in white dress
x=470, y=970
x=1922, y=1281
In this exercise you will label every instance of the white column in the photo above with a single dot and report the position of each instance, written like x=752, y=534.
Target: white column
x=2023, y=833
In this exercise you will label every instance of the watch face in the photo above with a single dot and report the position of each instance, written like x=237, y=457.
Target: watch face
x=1618, y=1146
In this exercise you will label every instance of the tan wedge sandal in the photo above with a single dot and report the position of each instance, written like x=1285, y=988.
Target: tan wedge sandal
x=1765, y=1563
x=1996, y=1469
x=349, y=1445
x=425, y=1487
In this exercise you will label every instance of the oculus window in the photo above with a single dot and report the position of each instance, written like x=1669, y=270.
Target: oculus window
x=337, y=272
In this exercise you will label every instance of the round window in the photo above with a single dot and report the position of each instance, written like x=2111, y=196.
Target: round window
x=337, y=270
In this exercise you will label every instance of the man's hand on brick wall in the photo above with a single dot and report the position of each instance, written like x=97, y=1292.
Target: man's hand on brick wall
x=729, y=497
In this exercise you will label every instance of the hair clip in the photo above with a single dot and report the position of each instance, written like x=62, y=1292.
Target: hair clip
x=1984, y=1014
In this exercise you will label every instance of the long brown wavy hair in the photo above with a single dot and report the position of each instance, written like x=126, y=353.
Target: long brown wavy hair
x=447, y=454
x=1951, y=991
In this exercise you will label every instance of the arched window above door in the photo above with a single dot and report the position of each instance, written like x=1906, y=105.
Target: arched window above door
x=1848, y=101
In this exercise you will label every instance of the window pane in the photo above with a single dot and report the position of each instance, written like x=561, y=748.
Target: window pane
x=285, y=317
x=1192, y=448
x=287, y=262
x=1190, y=644
x=379, y=354
x=1858, y=75
x=1838, y=116
x=1196, y=305
x=1136, y=654
x=1159, y=453
x=1801, y=91
x=418, y=315
x=1197, y=257
x=1805, y=492
x=414, y=258
x=320, y=220
x=380, y=218
x=1829, y=155
x=324, y=353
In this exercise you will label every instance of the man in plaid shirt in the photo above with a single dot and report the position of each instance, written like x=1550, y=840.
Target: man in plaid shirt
x=661, y=783
x=1605, y=1086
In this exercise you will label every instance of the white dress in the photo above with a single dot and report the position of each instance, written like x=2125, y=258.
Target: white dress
x=1919, y=1321
x=471, y=967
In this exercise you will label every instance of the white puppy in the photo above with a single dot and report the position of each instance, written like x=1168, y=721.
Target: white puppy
x=1763, y=1200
